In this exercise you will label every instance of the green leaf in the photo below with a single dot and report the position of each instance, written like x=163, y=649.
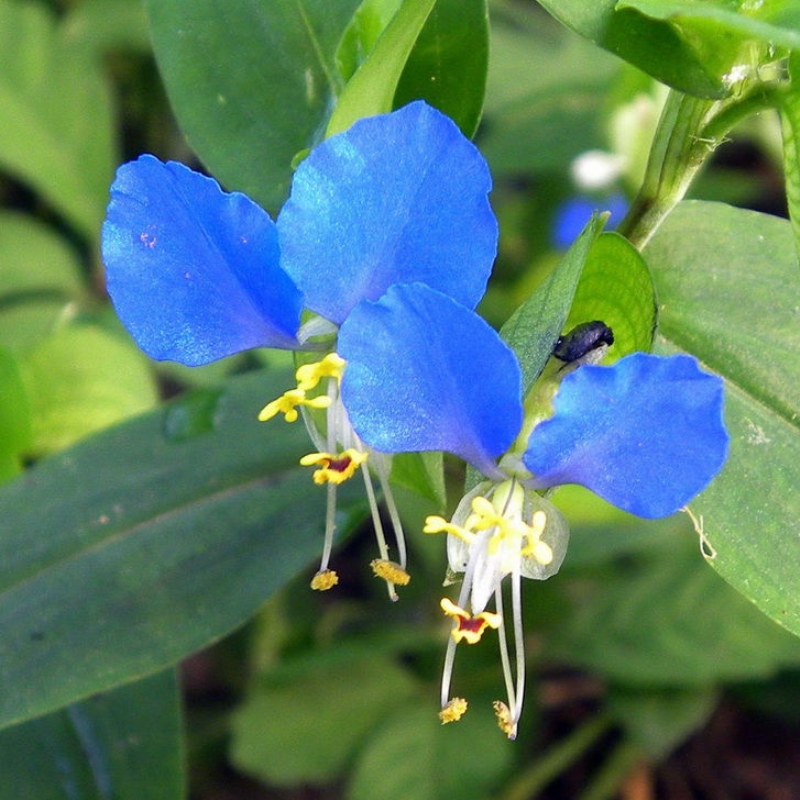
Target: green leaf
x=125, y=744
x=616, y=287
x=659, y=615
x=55, y=114
x=776, y=23
x=653, y=46
x=15, y=417
x=39, y=279
x=422, y=473
x=248, y=109
x=331, y=709
x=82, y=379
x=125, y=553
x=414, y=757
x=534, y=327
x=371, y=90
x=449, y=62
x=727, y=283
x=790, y=126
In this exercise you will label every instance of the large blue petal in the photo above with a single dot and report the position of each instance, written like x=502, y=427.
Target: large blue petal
x=194, y=272
x=425, y=373
x=646, y=434
x=398, y=198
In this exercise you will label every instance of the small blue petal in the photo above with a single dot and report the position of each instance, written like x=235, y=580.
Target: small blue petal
x=646, y=434
x=398, y=198
x=573, y=214
x=194, y=272
x=425, y=373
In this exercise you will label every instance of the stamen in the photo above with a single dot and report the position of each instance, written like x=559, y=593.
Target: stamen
x=504, y=720
x=453, y=710
x=309, y=375
x=469, y=628
x=390, y=571
x=288, y=402
x=437, y=524
x=379, y=535
x=334, y=468
x=324, y=579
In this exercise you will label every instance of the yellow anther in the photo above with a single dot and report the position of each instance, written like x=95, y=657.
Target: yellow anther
x=325, y=579
x=334, y=468
x=437, y=524
x=469, y=628
x=309, y=375
x=504, y=719
x=390, y=571
x=453, y=711
x=288, y=402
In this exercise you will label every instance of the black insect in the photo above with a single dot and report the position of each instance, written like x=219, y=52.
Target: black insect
x=581, y=340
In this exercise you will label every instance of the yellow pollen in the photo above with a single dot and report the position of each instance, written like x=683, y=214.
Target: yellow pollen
x=469, y=628
x=288, y=402
x=504, y=720
x=453, y=711
x=390, y=571
x=325, y=579
x=309, y=375
x=334, y=468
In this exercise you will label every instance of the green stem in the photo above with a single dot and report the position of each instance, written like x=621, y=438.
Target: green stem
x=689, y=131
x=557, y=759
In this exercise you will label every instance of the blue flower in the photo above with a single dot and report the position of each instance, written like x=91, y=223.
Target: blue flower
x=646, y=434
x=197, y=274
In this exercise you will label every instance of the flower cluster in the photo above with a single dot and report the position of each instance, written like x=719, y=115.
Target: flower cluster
x=387, y=242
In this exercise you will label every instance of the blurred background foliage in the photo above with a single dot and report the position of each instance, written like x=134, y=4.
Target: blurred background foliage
x=635, y=648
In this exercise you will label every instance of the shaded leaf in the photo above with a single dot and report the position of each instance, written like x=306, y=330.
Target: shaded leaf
x=125, y=553
x=125, y=744
x=55, y=114
x=270, y=94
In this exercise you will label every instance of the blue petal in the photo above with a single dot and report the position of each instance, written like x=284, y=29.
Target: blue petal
x=194, y=272
x=646, y=434
x=425, y=373
x=398, y=198
x=573, y=214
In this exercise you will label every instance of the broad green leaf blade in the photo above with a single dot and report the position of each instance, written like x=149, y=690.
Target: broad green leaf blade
x=616, y=288
x=727, y=282
x=414, y=757
x=658, y=615
x=534, y=327
x=55, y=114
x=15, y=417
x=371, y=90
x=450, y=61
x=651, y=45
x=251, y=82
x=125, y=553
x=331, y=709
x=125, y=744
x=40, y=277
x=80, y=380
x=775, y=23
x=790, y=127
